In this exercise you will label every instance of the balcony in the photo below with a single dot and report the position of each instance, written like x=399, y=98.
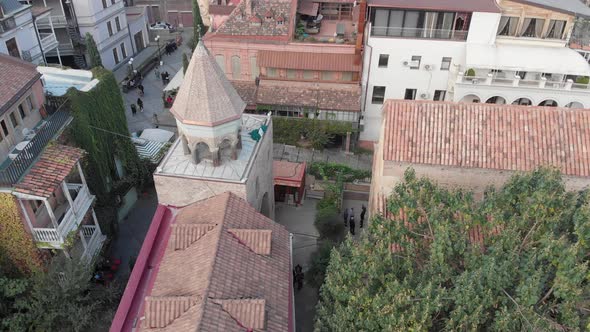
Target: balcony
x=58, y=21
x=89, y=244
x=7, y=24
x=48, y=41
x=418, y=33
x=12, y=170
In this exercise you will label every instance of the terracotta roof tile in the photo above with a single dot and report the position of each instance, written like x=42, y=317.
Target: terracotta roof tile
x=325, y=96
x=503, y=137
x=162, y=311
x=47, y=174
x=246, y=90
x=238, y=23
x=185, y=235
x=234, y=281
x=307, y=61
x=16, y=77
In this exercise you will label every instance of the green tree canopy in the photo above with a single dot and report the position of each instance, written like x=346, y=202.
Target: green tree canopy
x=516, y=261
x=199, y=28
x=93, y=54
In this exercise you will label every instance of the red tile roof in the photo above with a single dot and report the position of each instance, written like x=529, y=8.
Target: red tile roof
x=288, y=174
x=307, y=61
x=218, y=265
x=16, y=77
x=47, y=174
x=491, y=136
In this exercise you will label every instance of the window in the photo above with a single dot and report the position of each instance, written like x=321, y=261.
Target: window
x=104, y=3
x=13, y=120
x=21, y=111
x=507, y=26
x=220, y=61
x=383, y=60
x=110, y=28
x=117, y=23
x=336, y=11
x=236, y=68
x=532, y=27
x=439, y=94
x=378, y=95
x=410, y=94
x=418, y=24
x=30, y=103
x=123, y=50
x=291, y=73
x=347, y=76
x=308, y=75
x=556, y=29
x=115, y=55
x=415, y=64
x=12, y=47
x=327, y=75
x=254, y=67
x=4, y=127
x=271, y=72
x=446, y=63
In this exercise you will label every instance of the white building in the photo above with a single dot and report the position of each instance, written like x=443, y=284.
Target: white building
x=19, y=33
x=494, y=51
x=105, y=20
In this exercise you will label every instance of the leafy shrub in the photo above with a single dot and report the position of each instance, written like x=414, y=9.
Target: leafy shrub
x=319, y=133
x=329, y=223
x=582, y=79
x=319, y=263
x=470, y=72
x=330, y=171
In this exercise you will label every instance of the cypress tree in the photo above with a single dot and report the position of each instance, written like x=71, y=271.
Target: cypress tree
x=184, y=63
x=198, y=26
x=93, y=55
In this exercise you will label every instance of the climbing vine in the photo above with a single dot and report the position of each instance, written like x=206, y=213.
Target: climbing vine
x=18, y=254
x=100, y=128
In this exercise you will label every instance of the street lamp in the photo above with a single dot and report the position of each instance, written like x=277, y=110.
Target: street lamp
x=158, y=41
x=131, y=63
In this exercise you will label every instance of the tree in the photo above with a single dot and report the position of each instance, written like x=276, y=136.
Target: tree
x=198, y=26
x=184, y=63
x=517, y=261
x=93, y=54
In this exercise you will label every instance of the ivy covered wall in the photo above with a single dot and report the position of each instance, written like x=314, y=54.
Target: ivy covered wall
x=18, y=254
x=100, y=128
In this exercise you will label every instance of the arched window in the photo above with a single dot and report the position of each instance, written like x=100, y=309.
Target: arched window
x=220, y=61
x=236, y=68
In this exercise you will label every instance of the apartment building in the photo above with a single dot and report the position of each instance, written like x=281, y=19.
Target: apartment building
x=488, y=51
x=105, y=20
x=21, y=35
x=42, y=176
x=179, y=13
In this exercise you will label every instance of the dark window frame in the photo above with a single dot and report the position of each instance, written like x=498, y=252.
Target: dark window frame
x=383, y=60
x=377, y=97
x=413, y=93
x=446, y=65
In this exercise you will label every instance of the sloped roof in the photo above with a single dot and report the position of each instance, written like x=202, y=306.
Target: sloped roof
x=240, y=24
x=206, y=97
x=224, y=267
x=47, y=174
x=307, y=61
x=490, y=136
x=17, y=76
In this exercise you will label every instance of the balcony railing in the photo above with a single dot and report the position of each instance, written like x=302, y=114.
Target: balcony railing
x=7, y=24
x=496, y=80
x=419, y=33
x=58, y=21
x=48, y=41
x=17, y=168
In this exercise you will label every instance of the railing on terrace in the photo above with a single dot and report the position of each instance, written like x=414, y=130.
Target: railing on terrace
x=48, y=40
x=7, y=24
x=420, y=33
x=17, y=168
x=517, y=82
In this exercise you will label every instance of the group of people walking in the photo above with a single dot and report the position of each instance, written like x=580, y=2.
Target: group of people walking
x=349, y=218
x=134, y=107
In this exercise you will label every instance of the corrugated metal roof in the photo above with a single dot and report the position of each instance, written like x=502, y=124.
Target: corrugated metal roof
x=307, y=61
x=490, y=136
x=451, y=5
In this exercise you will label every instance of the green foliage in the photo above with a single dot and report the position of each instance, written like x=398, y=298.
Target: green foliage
x=329, y=223
x=100, y=128
x=319, y=133
x=300, y=30
x=63, y=299
x=199, y=28
x=319, y=264
x=331, y=170
x=184, y=63
x=93, y=54
x=582, y=79
x=470, y=72
x=18, y=254
x=428, y=271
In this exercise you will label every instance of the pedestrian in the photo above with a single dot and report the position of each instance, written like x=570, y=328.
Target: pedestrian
x=298, y=276
x=133, y=109
x=140, y=88
x=363, y=212
x=140, y=104
x=155, y=120
x=167, y=77
x=157, y=72
x=352, y=224
x=163, y=75
x=345, y=215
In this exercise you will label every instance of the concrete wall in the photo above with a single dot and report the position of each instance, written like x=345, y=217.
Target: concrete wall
x=397, y=77
x=483, y=28
x=181, y=191
x=25, y=36
x=262, y=170
x=139, y=23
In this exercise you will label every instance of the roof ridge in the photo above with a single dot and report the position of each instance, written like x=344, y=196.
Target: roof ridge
x=238, y=310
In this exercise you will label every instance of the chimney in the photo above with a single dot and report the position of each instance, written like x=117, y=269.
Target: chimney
x=248, y=8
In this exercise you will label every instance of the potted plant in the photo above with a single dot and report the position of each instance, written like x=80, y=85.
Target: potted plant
x=470, y=72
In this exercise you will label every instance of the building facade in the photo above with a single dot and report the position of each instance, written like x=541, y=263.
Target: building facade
x=488, y=51
x=26, y=31
x=474, y=146
x=44, y=178
x=219, y=148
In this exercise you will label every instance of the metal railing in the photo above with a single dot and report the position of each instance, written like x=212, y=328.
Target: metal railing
x=17, y=168
x=499, y=80
x=420, y=33
x=48, y=41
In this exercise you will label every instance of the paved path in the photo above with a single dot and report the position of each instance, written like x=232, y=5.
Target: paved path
x=295, y=154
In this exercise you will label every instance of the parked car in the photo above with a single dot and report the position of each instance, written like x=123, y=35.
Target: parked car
x=162, y=26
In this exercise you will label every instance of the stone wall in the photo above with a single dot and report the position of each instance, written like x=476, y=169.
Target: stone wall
x=181, y=191
x=262, y=170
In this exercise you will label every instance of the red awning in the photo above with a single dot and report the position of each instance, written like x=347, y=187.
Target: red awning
x=288, y=174
x=308, y=8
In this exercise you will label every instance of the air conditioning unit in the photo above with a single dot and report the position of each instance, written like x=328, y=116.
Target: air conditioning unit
x=425, y=95
x=429, y=67
x=406, y=63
